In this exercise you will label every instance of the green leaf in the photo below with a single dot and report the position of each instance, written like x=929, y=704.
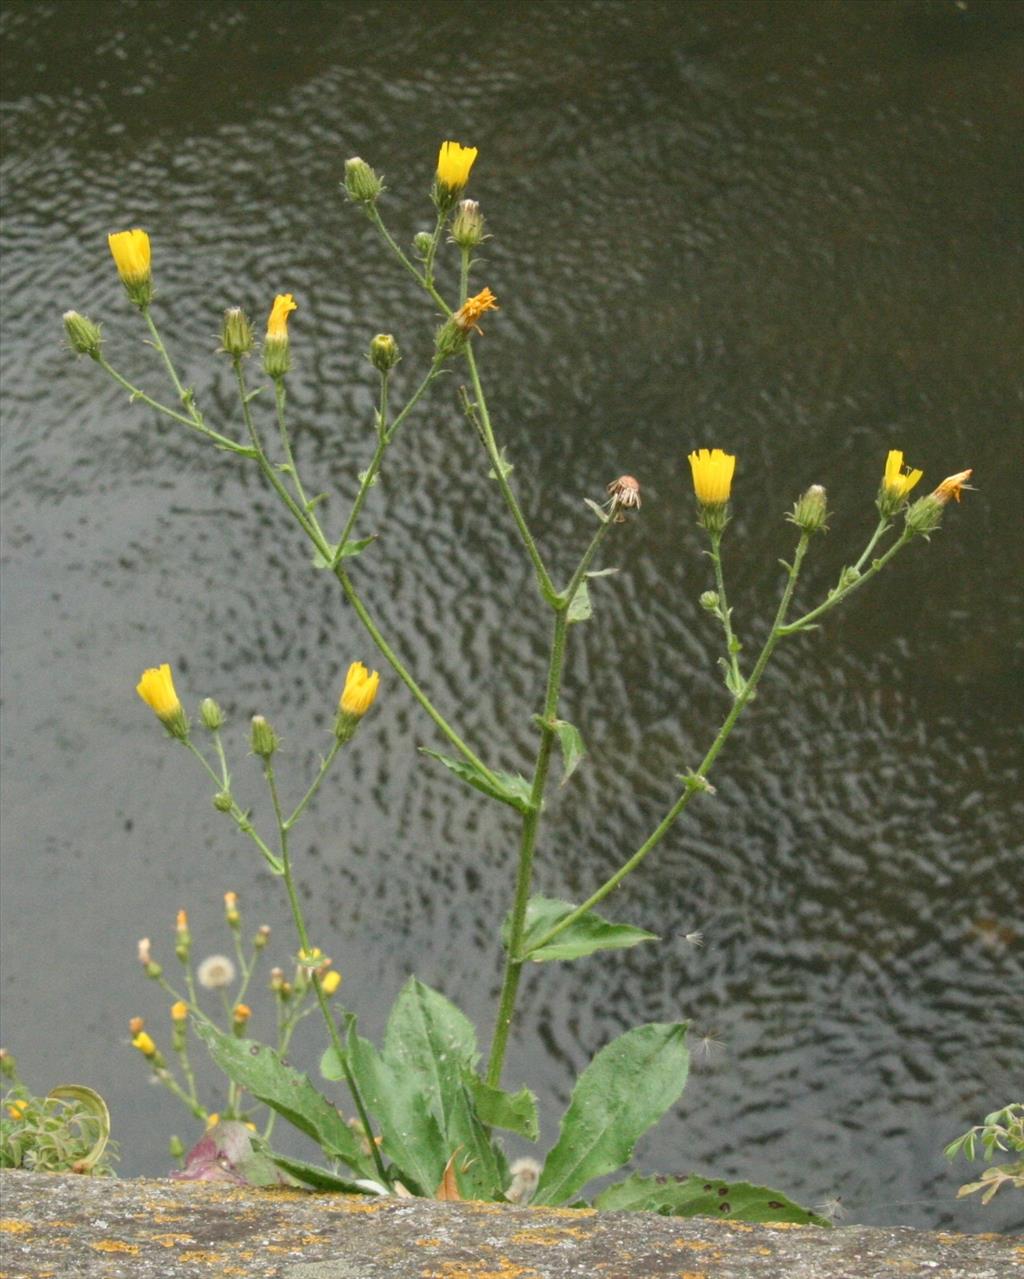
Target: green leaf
x=588, y=934
x=626, y=1088
x=258, y=1069
x=318, y=561
x=93, y=1104
x=515, y=1112
x=314, y=1177
x=510, y=788
x=355, y=548
x=697, y=1196
x=504, y=465
x=580, y=609
x=573, y=750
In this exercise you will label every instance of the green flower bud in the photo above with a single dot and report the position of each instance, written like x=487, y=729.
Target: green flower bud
x=384, y=352
x=361, y=183
x=421, y=242
x=264, y=739
x=709, y=600
x=236, y=337
x=222, y=802
x=467, y=225
x=809, y=511
x=211, y=714
x=82, y=334
x=451, y=340
x=175, y=1148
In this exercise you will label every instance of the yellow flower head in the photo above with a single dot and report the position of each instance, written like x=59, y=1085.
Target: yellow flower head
x=277, y=325
x=471, y=310
x=181, y=923
x=952, y=487
x=898, y=481
x=144, y=1044
x=131, y=256
x=179, y=1011
x=330, y=982
x=241, y=1013
x=712, y=475
x=156, y=688
x=454, y=162
x=17, y=1108
x=359, y=691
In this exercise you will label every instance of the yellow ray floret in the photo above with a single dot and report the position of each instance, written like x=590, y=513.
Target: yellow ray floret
x=454, y=162
x=359, y=691
x=277, y=325
x=156, y=688
x=897, y=480
x=131, y=255
x=712, y=475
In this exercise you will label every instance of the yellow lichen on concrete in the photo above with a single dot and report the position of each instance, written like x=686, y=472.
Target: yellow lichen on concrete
x=481, y=1270
x=428, y=1243
x=116, y=1245
x=202, y=1256
x=170, y=1240
x=548, y=1236
x=692, y=1274
x=781, y=1225
x=10, y=1226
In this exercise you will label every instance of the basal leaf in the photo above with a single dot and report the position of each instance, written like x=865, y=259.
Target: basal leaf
x=626, y=1088
x=510, y=788
x=588, y=934
x=258, y=1069
x=697, y=1196
x=515, y=1112
x=315, y=1178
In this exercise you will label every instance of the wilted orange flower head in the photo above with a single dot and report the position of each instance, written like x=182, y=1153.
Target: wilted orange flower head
x=277, y=325
x=454, y=162
x=952, y=486
x=471, y=310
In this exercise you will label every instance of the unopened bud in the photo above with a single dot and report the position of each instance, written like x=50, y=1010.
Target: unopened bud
x=82, y=334
x=239, y=1016
x=384, y=353
x=925, y=515
x=236, y=336
x=709, y=600
x=262, y=937
x=361, y=183
x=422, y=242
x=136, y=1025
x=809, y=512
x=223, y=802
x=211, y=714
x=467, y=225
x=175, y=1148
x=264, y=739
x=182, y=937
x=231, y=909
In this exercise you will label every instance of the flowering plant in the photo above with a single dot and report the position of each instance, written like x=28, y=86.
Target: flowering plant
x=425, y=1114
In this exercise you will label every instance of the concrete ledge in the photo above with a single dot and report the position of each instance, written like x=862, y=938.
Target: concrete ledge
x=88, y=1228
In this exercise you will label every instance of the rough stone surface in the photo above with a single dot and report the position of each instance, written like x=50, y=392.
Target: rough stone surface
x=88, y=1228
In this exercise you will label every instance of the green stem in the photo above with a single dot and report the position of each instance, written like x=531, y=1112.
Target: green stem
x=236, y=814
x=883, y=524
x=527, y=844
x=403, y=674
x=547, y=587
x=422, y=280
x=731, y=644
x=184, y=396
x=695, y=782
x=328, y=761
x=837, y=596
x=286, y=445
x=136, y=393
x=464, y=276
x=306, y=949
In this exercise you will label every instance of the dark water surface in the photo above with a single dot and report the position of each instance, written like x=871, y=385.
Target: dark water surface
x=790, y=230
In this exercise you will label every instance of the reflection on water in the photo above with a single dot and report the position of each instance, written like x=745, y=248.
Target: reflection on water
x=791, y=231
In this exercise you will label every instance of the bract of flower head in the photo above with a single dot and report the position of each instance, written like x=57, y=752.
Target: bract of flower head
x=473, y=308
x=454, y=162
x=952, y=486
x=277, y=325
x=156, y=688
x=898, y=480
x=359, y=691
x=131, y=255
x=712, y=475
x=215, y=972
